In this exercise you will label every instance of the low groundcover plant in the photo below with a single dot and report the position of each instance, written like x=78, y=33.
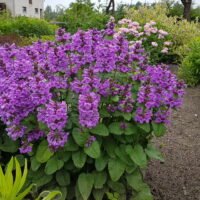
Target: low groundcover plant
x=84, y=109
x=12, y=187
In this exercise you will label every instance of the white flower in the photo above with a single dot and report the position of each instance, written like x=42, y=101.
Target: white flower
x=167, y=43
x=165, y=50
x=154, y=44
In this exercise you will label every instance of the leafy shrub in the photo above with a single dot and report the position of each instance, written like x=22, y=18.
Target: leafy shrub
x=181, y=31
x=190, y=67
x=83, y=15
x=84, y=109
x=27, y=27
x=23, y=41
x=155, y=42
x=11, y=186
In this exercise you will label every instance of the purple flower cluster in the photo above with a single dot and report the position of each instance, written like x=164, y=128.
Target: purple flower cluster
x=88, y=109
x=98, y=71
x=57, y=139
x=54, y=115
x=159, y=93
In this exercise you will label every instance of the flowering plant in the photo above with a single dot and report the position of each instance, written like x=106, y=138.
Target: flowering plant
x=84, y=108
x=155, y=41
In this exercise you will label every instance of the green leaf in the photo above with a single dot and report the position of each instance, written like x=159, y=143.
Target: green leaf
x=115, y=128
x=64, y=191
x=39, y=177
x=85, y=185
x=130, y=129
x=137, y=154
x=122, y=155
x=20, y=158
x=145, y=127
x=43, y=126
x=49, y=195
x=110, y=145
x=70, y=145
x=80, y=137
x=159, y=129
x=77, y=194
x=79, y=159
x=74, y=119
x=35, y=164
x=104, y=113
x=53, y=165
x=93, y=151
x=127, y=116
x=131, y=169
x=63, y=155
x=101, y=162
x=135, y=180
x=98, y=194
x=144, y=195
x=8, y=145
x=63, y=178
x=117, y=187
x=43, y=153
x=115, y=98
x=99, y=179
x=100, y=129
x=116, y=168
x=152, y=152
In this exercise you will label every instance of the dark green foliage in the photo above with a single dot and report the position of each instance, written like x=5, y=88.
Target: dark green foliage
x=27, y=27
x=190, y=67
x=82, y=15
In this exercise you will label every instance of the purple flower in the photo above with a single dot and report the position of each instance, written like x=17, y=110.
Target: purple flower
x=25, y=148
x=162, y=116
x=16, y=132
x=123, y=125
x=35, y=135
x=90, y=140
x=143, y=116
x=54, y=114
x=57, y=139
x=88, y=109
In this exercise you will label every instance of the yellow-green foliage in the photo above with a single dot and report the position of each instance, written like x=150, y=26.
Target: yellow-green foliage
x=190, y=67
x=29, y=40
x=181, y=31
x=24, y=26
x=10, y=186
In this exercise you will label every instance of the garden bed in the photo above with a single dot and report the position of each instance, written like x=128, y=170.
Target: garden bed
x=179, y=177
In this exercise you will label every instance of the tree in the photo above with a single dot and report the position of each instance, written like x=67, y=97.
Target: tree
x=48, y=13
x=176, y=9
x=110, y=5
x=82, y=14
x=187, y=9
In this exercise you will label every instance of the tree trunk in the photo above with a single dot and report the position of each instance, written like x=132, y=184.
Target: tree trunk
x=186, y=12
x=187, y=8
x=111, y=3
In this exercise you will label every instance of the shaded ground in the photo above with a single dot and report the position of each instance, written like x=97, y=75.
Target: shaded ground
x=179, y=177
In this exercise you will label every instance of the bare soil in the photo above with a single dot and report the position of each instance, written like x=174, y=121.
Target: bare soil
x=178, y=178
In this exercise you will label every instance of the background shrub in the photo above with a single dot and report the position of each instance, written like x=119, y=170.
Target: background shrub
x=82, y=15
x=24, y=26
x=181, y=31
x=190, y=67
x=156, y=42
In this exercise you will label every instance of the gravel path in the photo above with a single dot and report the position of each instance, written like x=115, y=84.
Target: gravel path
x=179, y=177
